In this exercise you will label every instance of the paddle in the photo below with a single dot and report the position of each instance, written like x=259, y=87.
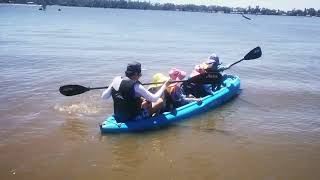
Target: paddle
x=253, y=54
x=71, y=90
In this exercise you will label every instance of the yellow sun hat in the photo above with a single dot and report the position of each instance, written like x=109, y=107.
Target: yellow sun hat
x=158, y=77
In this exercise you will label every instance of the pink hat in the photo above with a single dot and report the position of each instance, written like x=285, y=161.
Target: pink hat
x=177, y=74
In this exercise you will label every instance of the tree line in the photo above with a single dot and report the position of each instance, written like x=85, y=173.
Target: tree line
x=128, y=4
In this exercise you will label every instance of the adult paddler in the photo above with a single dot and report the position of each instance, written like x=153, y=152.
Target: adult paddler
x=131, y=101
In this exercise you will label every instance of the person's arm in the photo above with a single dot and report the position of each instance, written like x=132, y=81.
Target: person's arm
x=139, y=89
x=115, y=83
x=107, y=93
x=223, y=68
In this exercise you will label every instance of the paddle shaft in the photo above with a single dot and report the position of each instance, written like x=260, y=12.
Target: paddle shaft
x=235, y=63
x=105, y=87
x=164, y=82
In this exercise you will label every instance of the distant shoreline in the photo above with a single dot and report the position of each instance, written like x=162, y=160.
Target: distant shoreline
x=138, y=5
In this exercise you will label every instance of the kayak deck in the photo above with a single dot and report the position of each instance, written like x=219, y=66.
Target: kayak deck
x=230, y=89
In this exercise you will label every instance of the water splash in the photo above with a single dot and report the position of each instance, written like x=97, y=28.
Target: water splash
x=80, y=108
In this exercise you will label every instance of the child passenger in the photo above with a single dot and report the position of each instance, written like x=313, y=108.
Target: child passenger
x=176, y=95
x=213, y=66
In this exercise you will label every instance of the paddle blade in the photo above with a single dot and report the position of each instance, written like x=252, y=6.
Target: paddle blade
x=71, y=90
x=253, y=54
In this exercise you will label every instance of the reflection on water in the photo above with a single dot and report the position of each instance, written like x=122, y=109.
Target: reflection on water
x=74, y=128
x=126, y=159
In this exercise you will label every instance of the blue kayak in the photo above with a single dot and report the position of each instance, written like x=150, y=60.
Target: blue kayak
x=230, y=89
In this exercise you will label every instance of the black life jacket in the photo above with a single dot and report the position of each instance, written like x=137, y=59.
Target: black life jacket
x=197, y=90
x=126, y=105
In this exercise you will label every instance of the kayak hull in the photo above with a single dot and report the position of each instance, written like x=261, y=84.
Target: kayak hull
x=230, y=89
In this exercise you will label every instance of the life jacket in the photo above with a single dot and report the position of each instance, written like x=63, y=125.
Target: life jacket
x=126, y=105
x=197, y=89
x=194, y=89
x=217, y=79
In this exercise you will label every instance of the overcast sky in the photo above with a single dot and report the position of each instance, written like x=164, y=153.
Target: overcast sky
x=272, y=4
